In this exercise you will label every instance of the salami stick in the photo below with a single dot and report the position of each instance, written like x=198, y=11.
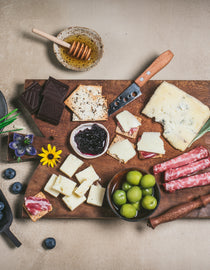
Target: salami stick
x=192, y=156
x=179, y=211
x=193, y=167
x=191, y=181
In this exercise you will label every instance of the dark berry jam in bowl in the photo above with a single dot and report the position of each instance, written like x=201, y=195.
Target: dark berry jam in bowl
x=90, y=140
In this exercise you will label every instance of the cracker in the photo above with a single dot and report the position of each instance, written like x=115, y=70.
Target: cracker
x=40, y=214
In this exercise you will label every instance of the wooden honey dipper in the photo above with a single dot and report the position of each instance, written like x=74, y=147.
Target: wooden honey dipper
x=76, y=49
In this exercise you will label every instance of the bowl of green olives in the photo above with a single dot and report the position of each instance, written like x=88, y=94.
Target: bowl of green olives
x=133, y=194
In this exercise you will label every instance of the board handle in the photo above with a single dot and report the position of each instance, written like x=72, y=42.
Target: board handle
x=12, y=237
x=179, y=211
x=52, y=38
x=160, y=62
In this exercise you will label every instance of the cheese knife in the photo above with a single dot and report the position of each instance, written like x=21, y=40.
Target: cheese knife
x=133, y=91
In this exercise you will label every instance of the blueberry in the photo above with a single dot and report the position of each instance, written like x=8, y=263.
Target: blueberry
x=1, y=206
x=50, y=243
x=9, y=173
x=1, y=215
x=16, y=188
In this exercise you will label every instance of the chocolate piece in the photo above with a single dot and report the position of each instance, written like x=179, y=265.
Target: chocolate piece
x=50, y=110
x=55, y=90
x=31, y=98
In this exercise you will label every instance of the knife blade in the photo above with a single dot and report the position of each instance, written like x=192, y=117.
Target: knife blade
x=133, y=91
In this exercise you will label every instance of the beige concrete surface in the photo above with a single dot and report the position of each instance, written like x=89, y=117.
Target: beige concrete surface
x=133, y=32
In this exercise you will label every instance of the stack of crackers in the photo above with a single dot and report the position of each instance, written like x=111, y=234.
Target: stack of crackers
x=88, y=103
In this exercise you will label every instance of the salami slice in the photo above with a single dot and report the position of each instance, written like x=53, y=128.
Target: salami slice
x=191, y=181
x=193, y=167
x=186, y=158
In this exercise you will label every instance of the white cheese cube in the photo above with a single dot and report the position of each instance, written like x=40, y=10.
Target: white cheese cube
x=96, y=195
x=88, y=174
x=48, y=187
x=71, y=165
x=151, y=142
x=64, y=185
x=73, y=201
x=83, y=188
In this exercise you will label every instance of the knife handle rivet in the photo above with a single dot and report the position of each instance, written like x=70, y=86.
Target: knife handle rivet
x=141, y=79
x=148, y=72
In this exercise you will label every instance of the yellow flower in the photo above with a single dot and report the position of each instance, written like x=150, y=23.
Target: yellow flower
x=50, y=156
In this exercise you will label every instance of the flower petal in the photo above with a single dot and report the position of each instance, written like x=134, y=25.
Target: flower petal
x=19, y=152
x=30, y=150
x=13, y=145
x=43, y=160
x=42, y=155
x=44, y=151
x=18, y=137
x=54, y=149
x=49, y=147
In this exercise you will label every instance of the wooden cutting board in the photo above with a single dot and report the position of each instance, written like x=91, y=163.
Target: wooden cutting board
x=105, y=166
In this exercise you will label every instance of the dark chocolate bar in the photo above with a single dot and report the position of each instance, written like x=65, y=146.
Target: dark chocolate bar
x=50, y=110
x=31, y=98
x=55, y=90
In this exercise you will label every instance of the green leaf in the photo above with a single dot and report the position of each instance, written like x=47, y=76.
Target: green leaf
x=204, y=129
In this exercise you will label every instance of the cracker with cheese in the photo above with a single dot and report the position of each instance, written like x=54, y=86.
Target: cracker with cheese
x=121, y=149
x=150, y=145
x=181, y=115
x=128, y=124
x=88, y=104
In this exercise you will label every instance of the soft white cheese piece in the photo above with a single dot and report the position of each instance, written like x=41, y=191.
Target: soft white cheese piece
x=88, y=174
x=127, y=120
x=64, y=185
x=71, y=165
x=83, y=187
x=96, y=195
x=151, y=142
x=123, y=150
x=181, y=115
x=73, y=201
x=48, y=187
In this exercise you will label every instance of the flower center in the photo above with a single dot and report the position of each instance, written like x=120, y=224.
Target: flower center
x=50, y=156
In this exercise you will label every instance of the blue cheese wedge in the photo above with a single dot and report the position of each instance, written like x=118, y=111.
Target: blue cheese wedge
x=64, y=185
x=96, y=195
x=71, y=165
x=88, y=174
x=181, y=115
x=151, y=142
x=48, y=187
x=121, y=149
x=73, y=201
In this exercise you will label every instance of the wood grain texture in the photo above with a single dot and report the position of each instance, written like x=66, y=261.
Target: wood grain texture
x=105, y=166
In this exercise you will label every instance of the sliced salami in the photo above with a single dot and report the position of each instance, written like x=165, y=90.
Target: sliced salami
x=191, y=181
x=186, y=158
x=193, y=167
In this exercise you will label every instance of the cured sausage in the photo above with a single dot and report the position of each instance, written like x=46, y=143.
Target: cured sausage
x=186, y=158
x=193, y=167
x=191, y=181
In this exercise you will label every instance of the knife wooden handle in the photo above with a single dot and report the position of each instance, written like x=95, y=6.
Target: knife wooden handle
x=156, y=66
x=179, y=211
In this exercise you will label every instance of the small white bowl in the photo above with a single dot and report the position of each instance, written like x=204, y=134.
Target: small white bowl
x=74, y=144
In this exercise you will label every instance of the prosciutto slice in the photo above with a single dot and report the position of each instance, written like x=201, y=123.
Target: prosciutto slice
x=191, y=181
x=35, y=205
x=186, y=158
x=191, y=168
